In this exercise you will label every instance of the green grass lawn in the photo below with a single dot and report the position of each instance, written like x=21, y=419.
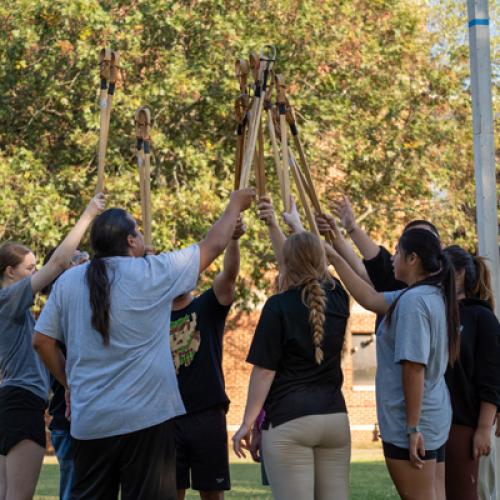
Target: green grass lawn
x=369, y=479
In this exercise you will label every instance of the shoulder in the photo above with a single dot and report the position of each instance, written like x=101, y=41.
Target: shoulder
x=72, y=276
x=484, y=314
x=276, y=303
x=337, y=289
x=208, y=296
x=17, y=288
x=421, y=298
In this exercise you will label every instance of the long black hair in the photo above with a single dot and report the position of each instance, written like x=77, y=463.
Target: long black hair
x=477, y=276
x=427, y=247
x=108, y=238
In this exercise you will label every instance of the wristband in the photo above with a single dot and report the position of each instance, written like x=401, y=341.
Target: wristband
x=412, y=429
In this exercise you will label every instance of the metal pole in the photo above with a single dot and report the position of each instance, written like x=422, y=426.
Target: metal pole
x=484, y=146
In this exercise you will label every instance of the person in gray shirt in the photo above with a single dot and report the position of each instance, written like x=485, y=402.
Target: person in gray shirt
x=24, y=381
x=416, y=341
x=113, y=315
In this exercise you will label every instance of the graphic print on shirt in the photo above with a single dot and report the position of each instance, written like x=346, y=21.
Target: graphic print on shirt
x=184, y=340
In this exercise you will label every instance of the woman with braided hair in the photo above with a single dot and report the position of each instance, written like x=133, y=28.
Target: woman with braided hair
x=297, y=378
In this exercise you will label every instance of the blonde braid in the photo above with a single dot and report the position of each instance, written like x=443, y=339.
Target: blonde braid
x=314, y=298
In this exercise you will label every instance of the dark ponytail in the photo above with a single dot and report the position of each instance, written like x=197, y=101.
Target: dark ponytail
x=427, y=247
x=108, y=238
x=477, y=276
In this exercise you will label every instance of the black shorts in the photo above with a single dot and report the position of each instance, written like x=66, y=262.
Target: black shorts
x=141, y=464
x=397, y=453
x=201, y=447
x=21, y=417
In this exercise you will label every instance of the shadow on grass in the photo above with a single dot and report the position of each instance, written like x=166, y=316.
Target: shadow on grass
x=368, y=480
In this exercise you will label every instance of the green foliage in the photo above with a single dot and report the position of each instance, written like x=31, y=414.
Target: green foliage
x=382, y=117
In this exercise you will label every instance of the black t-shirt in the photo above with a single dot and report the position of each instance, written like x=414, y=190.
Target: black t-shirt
x=381, y=272
x=283, y=343
x=475, y=377
x=57, y=405
x=196, y=334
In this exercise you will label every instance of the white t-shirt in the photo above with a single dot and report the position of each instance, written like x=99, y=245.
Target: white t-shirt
x=129, y=384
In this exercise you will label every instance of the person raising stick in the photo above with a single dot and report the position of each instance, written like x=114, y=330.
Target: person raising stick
x=415, y=342
x=297, y=376
x=377, y=259
x=112, y=314
x=24, y=381
x=196, y=338
x=474, y=382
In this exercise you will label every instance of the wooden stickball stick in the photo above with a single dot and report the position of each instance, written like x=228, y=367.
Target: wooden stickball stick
x=305, y=172
x=276, y=153
x=303, y=196
x=104, y=72
x=142, y=123
x=281, y=87
x=261, y=173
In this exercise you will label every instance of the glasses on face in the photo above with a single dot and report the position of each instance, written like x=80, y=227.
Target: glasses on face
x=79, y=258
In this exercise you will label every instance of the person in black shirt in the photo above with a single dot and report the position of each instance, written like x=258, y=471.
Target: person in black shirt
x=474, y=381
x=297, y=377
x=196, y=341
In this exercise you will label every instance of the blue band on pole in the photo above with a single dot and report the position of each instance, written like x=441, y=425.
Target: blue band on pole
x=479, y=22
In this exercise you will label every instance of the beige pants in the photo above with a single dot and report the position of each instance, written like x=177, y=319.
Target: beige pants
x=308, y=458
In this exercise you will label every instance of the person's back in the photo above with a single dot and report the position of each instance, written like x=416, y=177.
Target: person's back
x=113, y=316
x=127, y=384
x=296, y=353
x=301, y=385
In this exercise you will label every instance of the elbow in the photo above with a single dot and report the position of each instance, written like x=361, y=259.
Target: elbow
x=40, y=342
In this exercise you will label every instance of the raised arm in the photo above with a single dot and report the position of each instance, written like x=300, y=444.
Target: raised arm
x=362, y=292
x=267, y=214
x=325, y=223
x=61, y=258
x=225, y=282
x=343, y=210
x=219, y=235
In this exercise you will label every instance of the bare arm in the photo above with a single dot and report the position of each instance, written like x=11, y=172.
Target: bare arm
x=362, y=292
x=219, y=235
x=481, y=444
x=225, y=282
x=413, y=389
x=61, y=258
x=267, y=214
x=51, y=355
x=261, y=380
x=343, y=209
x=325, y=224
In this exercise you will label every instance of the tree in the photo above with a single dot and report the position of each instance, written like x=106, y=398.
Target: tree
x=382, y=117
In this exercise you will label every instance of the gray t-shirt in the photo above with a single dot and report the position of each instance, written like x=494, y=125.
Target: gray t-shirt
x=130, y=384
x=20, y=366
x=418, y=333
